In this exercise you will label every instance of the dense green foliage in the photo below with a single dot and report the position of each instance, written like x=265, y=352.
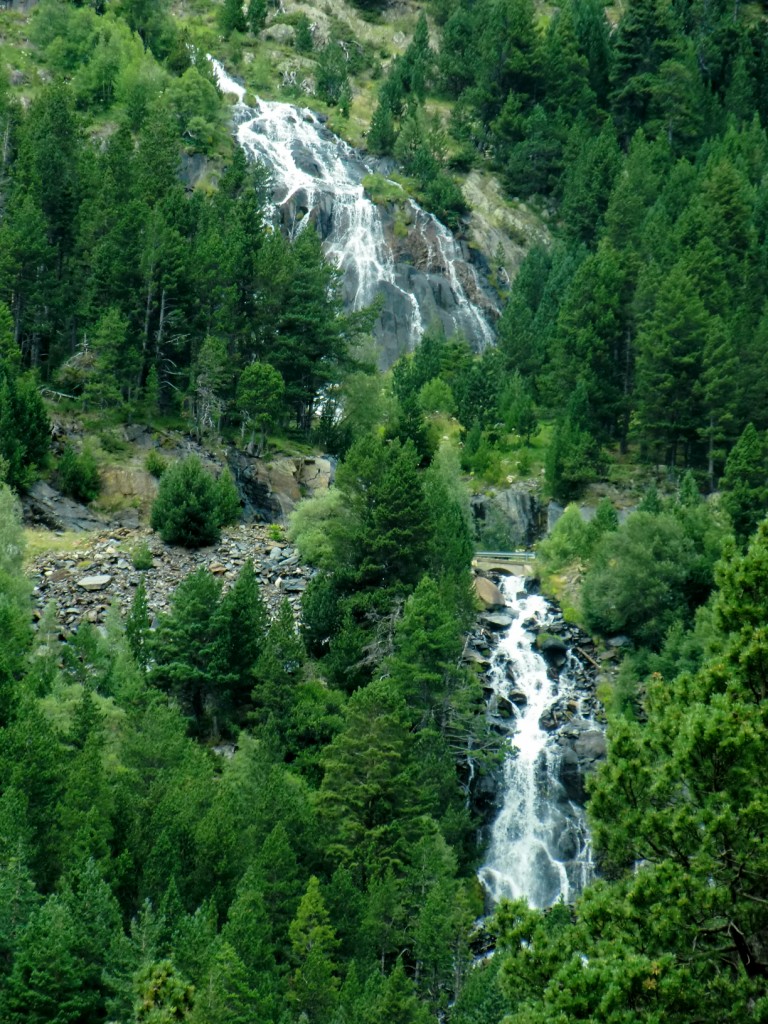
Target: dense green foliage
x=324, y=872
x=191, y=507
x=644, y=325
x=322, y=869
x=123, y=289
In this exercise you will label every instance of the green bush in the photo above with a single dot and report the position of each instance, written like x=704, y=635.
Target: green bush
x=141, y=557
x=436, y=396
x=111, y=442
x=186, y=509
x=570, y=541
x=78, y=474
x=304, y=41
x=155, y=464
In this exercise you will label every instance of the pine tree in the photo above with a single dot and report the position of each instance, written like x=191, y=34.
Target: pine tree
x=427, y=649
x=47, y=980
x=260, y=395
x=670, y=348
x=231, y=17
x=278, y=669
x=137, y=626
x=256, y=15
x=185, y=510
x=277, y=870
x=364, y=789
x=398, y=1003
x=744, y=483
x=186, y=649
x=314, y=983
x=242, y=622
x=225, y=996
x=247, y=928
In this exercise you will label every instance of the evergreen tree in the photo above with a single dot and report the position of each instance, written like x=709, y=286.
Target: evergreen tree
x=424, y=666
x=670, y=347
x=232, y=18
x=278, y=669
x=314, y=983
x=242, y=623
x=744, y=483
x=137, y=626
x=186, y=650
x=47, y=980
x=256, y=15
x=260, y=392
x=185, y=510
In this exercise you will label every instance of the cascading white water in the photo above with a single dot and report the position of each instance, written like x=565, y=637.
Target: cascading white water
x=318, y=178
x=539, y=847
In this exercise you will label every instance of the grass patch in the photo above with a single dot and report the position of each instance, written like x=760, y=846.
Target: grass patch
x=43, y=542
x=383, y=190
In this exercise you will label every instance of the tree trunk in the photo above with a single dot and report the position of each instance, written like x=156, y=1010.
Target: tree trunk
x=145, y=340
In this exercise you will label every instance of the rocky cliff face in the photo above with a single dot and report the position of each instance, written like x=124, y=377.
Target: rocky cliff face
x=394, y=252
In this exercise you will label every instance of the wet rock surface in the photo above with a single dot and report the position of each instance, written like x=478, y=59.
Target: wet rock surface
x=393, y=251
x=576, y=720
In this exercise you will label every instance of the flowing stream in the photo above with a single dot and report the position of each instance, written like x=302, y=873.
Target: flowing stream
x=414, y=265
x=539, y=848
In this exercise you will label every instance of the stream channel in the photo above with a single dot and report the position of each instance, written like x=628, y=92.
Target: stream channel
x=539, y=844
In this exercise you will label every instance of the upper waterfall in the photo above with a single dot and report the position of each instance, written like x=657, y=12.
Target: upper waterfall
x=413, y=262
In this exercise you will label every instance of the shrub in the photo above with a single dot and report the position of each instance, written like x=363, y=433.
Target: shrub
x=155, y=464
x=111, y=442
x=78, y=474
x=186, y=509
x=275, y=532
x=571, y=540
x=436, y=396
x=141, y=557
x=304, y=42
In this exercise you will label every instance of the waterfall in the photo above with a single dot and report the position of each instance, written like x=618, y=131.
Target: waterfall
x=420, y=274
x=539, y=847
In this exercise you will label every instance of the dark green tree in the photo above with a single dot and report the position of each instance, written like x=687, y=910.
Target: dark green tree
x=186, y=651
x=185, y=510
x=232, y=18
x=744, y=483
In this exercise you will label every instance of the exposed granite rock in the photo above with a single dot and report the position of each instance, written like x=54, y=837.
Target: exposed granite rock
x=94, y=582
x=489, y=594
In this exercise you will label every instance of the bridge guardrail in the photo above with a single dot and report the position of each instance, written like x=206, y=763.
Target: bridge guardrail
x=506, y=556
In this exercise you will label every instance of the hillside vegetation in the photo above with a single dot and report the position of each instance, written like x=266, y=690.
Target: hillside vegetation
x=222, y=816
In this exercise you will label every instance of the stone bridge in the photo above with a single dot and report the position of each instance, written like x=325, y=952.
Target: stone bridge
x=508, y=563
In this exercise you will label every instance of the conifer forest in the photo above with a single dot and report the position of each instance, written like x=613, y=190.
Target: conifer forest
x=496, y=273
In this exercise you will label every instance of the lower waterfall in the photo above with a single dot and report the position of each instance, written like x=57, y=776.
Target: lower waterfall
x=539, y=846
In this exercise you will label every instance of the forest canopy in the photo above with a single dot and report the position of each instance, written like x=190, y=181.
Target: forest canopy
x=324, y=873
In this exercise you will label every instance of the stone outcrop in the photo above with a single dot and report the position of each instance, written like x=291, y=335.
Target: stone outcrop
x=489, y=594
x=513, y=514
x=44, y=506
x=393, y=252
x=271, y=488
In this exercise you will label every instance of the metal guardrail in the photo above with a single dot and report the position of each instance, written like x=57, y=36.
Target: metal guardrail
x=506, y=556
